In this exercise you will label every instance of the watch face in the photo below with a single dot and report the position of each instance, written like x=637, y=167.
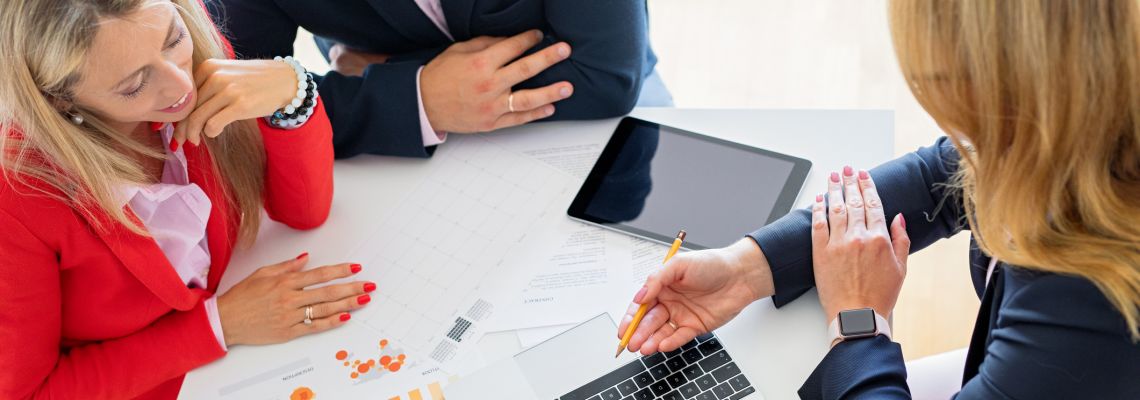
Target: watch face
x=859, y=322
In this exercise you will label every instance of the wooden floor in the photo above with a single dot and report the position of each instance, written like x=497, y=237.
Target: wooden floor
x=809, y=54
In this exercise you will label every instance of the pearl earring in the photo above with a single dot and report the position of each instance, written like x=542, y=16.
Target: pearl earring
x=76, y=118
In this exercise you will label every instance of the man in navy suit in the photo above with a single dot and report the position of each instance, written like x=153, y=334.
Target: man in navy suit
x=454, y=66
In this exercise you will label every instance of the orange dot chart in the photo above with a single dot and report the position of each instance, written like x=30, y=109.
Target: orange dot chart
x=372, y=364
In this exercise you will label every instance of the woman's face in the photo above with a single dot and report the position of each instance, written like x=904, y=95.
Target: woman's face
x=139, y=69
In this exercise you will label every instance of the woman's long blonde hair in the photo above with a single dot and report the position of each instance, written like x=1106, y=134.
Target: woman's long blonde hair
x=1042, y=99
x=43, y=44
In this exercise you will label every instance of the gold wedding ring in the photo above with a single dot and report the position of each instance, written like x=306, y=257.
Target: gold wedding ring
x=511, y=102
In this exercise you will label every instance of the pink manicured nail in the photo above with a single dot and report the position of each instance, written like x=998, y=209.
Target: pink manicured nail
x=640, y=294
x=902, y=221
x=848, y=171
x=345, y=317
x=864, y=175
x=355, y=268
x=835, y=177
x=303, y=255
x=819, y=198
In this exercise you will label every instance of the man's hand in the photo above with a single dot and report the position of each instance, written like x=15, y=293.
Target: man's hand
x=467, y=88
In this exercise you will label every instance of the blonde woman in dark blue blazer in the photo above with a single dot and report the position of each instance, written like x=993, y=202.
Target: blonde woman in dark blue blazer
x=1041, y=102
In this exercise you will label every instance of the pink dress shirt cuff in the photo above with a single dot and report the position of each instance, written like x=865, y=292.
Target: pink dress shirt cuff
x=215, y=321
x=431, y=136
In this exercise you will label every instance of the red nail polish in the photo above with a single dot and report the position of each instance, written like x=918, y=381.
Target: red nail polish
x=345, y=317
x=835, y=177
x=363, y=299
x=902, y=221
x=173, y=145
x=303, y=255
x=864, y=175
x=848, y=171
x=819, y=198
x=369, y=287
x=355, y=268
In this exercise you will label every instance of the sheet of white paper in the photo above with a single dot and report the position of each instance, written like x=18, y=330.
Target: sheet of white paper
x=429, y=258
x=569, y=272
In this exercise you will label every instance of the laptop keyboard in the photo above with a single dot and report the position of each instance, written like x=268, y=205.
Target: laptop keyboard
x=701, y=370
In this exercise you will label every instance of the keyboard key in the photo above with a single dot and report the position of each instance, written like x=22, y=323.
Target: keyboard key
x=706, y=382
x=611, y=394
x=741, y=394
x=727, y=371
x=677, y=379
x=627, y=388
x=705, y=396
x=689, y=345
x=672, y=396
x=692, y=356
x=647, y=394
x=715, y=360
x=643, y=380
x=689, y=390
x=659, y=388
x=598, y=397
x=705, y=337
x=676, y=363
x=709, y=347
x=653, y=359
x=673, y=353
x=605, y=381
x=723, y=391
x=739, y=382
x=692, y=371
x=659, y=372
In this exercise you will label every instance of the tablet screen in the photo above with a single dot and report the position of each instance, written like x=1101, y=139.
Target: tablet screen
x=653, y=180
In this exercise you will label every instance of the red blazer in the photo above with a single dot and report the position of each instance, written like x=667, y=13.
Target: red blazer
x=88, y=314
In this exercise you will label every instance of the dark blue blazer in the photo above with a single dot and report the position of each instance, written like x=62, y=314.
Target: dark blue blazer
x=378, y=113
x=1037, y=336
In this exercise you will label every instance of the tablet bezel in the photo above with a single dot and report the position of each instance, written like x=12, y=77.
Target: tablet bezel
x=784, y=201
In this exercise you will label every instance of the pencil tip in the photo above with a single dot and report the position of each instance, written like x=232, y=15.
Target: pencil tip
x=618, y=354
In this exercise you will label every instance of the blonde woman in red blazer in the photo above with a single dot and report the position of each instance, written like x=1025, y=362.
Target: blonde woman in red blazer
x=135, y=157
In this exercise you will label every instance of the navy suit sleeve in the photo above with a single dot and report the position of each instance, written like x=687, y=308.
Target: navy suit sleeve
x=609, y=40
x=916, y=185
x=1057, y=337
x=376, y=114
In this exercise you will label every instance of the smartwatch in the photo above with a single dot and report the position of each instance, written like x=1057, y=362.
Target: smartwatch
x=857, y=324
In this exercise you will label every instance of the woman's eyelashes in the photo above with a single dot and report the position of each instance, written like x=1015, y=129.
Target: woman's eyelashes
x=136, y=91
x=142, y=84
x=178, y=40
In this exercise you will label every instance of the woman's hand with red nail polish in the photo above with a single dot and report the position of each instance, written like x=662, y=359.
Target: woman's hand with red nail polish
x=269, y=306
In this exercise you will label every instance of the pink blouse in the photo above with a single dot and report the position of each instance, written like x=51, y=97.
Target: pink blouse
x=175, y=212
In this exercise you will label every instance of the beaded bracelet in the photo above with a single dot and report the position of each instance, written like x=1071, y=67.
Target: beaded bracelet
x=298, y=111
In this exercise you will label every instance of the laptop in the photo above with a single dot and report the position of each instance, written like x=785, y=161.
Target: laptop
x=579, y=365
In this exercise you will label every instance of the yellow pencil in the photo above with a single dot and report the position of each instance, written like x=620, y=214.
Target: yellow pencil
x=645, y=307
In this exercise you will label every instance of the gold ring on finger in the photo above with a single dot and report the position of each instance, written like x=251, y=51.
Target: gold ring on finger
x=511, y=102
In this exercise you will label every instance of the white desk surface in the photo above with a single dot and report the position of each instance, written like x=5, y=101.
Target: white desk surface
x=776, y=349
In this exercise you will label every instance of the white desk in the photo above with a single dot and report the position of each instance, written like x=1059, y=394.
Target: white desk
x=777, y=349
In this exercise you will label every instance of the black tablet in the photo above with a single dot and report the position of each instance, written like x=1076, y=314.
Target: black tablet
x=652, y=180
